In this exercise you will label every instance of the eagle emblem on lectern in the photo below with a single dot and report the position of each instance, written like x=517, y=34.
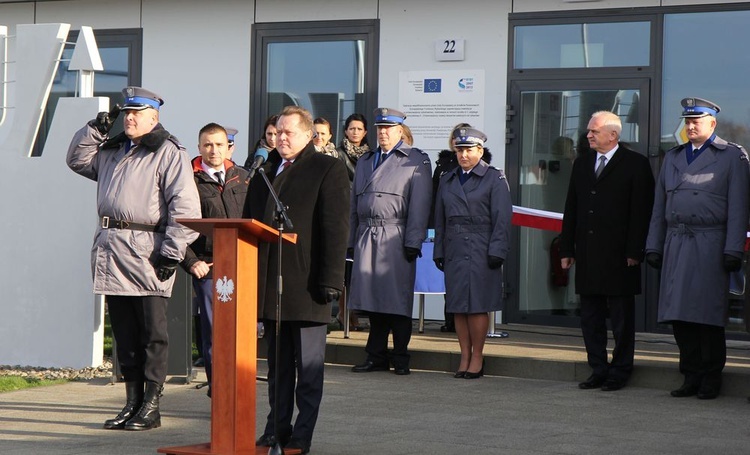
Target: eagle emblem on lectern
x=225, y=289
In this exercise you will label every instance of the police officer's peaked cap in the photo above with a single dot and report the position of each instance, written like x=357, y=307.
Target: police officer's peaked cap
x=137, y=99
x=468, y=137
x=698, y=107
x=388, y=117
x=231, y=132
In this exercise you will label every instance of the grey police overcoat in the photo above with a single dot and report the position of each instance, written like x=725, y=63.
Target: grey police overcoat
x=389, y=211
x=700, y=213
x=150, y=184
x=472, y=222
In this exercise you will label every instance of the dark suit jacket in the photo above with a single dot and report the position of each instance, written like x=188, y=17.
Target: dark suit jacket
x=316, y=190
x=606, y=221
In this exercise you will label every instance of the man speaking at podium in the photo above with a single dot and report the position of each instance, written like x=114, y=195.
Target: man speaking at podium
x=315, y=187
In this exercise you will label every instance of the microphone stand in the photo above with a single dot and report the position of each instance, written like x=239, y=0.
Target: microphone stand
x=282, y=219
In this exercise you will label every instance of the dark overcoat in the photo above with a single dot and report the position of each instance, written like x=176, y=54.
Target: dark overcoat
x=472, y=222
x=606, y=222
x=389, y=211
x=700, y=214
x=316, y=190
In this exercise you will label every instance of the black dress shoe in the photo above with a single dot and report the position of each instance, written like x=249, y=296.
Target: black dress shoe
x=401, y=371
x=295, y=443
x=593, y=382
x=267, y=440
x=474, y=375
x=707, y=393
x=610, y=385
x=461, y=374
x=687, y=390
x=368, y=367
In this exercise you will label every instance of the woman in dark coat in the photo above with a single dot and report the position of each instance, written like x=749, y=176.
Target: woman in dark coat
x=353, y=146
x=472, y=237
x=268, y=141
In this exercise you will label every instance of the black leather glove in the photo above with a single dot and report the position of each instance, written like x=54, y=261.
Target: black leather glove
x=494, y=262
x=104, y=120
x=732, y=263
x=165, y=268
x=412, y=253
x=654, y=260
x=330, y=294
x=439, y=263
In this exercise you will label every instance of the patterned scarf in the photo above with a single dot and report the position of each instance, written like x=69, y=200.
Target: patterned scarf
x=328, y=149
x=355, y=151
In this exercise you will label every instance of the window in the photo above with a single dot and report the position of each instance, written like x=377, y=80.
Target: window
x=120, y=50
x=583, y=45
x=329, y=68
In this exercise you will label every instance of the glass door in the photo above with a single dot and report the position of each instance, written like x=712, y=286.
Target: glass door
x=548, y=121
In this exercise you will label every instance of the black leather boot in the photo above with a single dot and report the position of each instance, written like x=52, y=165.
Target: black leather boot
x=148, y=416
x=134, y=399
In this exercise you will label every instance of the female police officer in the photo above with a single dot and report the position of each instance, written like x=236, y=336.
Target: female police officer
x=472, y=229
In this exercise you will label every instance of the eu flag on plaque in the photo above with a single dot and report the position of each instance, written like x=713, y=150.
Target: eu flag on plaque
x=432, y=85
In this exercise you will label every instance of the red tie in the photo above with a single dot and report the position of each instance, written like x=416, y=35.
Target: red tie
x=285, y=165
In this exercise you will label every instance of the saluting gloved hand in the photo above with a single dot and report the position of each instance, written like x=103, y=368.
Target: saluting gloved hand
x=654, y=260
x=165, y=268
x=412, y=253
x=494, y=262
x=104, y=120
x=440, y=263
x=330, y=294
x=732, y=263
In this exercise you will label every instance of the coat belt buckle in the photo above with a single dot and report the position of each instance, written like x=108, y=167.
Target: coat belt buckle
x=105, y=222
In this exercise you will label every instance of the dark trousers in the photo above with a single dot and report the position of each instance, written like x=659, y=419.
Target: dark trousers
x=621, y=309
x=381, y=324
x=703, y=353
x=300, y=362
x=139, y=325
x=204, y=294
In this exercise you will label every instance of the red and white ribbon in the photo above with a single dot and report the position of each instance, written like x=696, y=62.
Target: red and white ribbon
x=537, y=219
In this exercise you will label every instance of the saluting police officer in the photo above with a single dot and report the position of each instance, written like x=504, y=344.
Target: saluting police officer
x=144, y=182
x=390, y=205
x=696, y=238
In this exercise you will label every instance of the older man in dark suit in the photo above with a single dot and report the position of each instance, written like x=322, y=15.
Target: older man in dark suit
x=605, y=225
x=316, y=189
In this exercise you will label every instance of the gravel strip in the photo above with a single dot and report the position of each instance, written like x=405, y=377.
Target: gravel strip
x=71, y=374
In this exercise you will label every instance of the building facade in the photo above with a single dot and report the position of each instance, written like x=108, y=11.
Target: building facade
x=528, y=73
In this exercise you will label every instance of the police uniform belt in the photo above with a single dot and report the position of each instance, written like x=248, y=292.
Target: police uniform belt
x=111, y=223
x=682, y=228
x=384, y=221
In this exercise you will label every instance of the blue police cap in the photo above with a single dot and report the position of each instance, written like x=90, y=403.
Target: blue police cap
x=137, y=99
x=231, y=132
x=698, y=107
x=468, y=137
x=388, y=117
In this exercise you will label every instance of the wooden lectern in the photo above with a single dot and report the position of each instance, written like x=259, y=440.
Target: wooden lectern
x=235, y=340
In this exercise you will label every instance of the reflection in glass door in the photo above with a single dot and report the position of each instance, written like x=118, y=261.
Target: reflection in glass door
x=551, y=134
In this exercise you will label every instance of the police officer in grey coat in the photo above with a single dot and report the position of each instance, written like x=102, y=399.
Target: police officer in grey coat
x=391, y=197
x=472, y=236
x=697, y=238
x=144, y=183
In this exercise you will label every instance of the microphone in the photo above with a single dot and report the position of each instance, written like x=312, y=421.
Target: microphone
x=261, y=155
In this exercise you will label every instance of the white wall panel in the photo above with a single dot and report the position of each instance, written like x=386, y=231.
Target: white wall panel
x=95, y=13
x=527, y=6
x=318, y=10
x=16, y=13
x=196, y=55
